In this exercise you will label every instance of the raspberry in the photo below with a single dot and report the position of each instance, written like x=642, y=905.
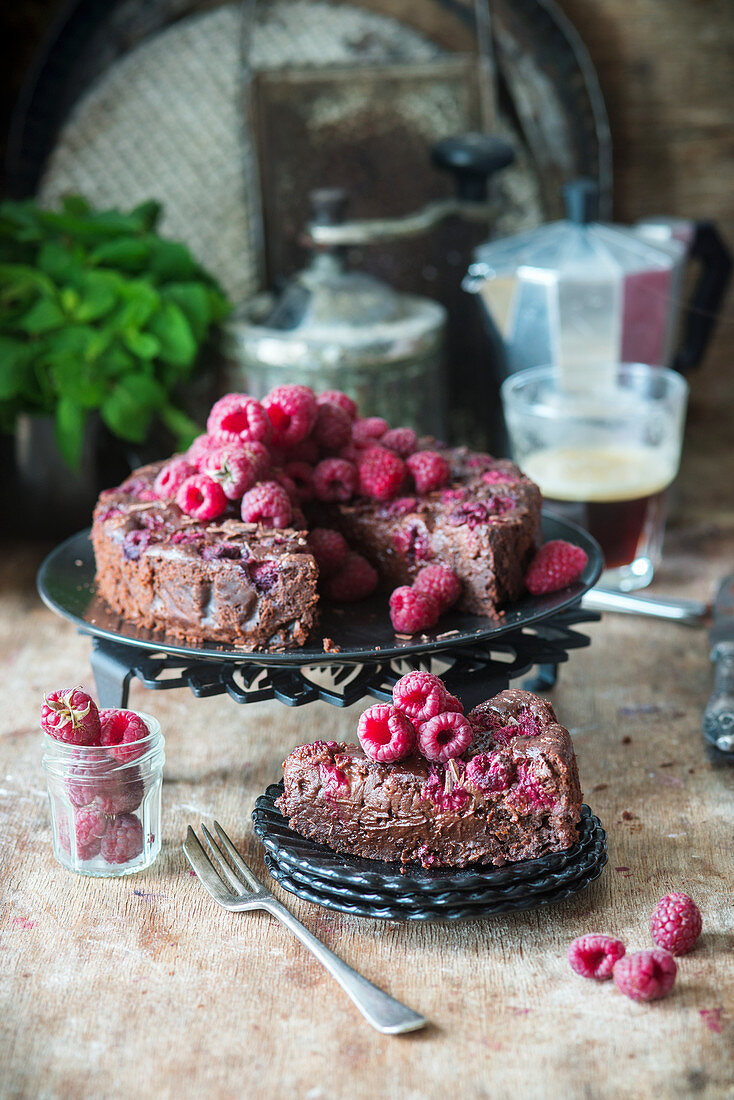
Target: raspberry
x=411, y=611
x=355, y=580
x=70, y=715
x=123, y=732
x=292, y=413
x=268, y=503
x=103, y=786
x=368, y=429
x=352, y=453
x=420, y=695
x=556, y=564
x=401, y=440
x=334, y=479
x=675, y=923
x=444, y=737
x=381, y=473
x=452, y=703
x=439, y=582
x=259, y=457
x=89, y=827
x=201, y=497
x=239, y=418
x=305, y=451
x=490, y=772
x=333, y=427
x=645, y=975
x=497, y=477
x=301, y=476
x=336, y=397
x=230, y=467
x=123, y=839
x=329, y=548
x=529, y=794
x=430, y=470
x=385, y=733
x=594, y=956
x=172, y=476
x=201, y=447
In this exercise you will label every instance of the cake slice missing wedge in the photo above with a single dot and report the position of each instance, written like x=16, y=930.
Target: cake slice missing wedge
x=513, y=795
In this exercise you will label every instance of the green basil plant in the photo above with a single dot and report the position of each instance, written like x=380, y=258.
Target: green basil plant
x=98, y=312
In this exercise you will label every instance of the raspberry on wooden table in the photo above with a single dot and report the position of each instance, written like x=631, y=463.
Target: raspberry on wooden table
x=330, y=549
x=420, y=695
x=385, y=733
x=238, y=418
x=412, y=611
x=676, y=923
x=336, y=397
x=368, y=429
x=429, y=469
x=355, y=580
x=646, y=975
x=381, y=473
x=70, y=715
x=123, y=839
x=292, y=413
x=401, y=440
x=172, y=476
x=439, y=582
x=594, y=956
x=121, y=732
x=445, y=737
x=201, y=497
x=268, y=504
x=333, y=427
x=335, y=479
x=232, y=468
x=557, y=564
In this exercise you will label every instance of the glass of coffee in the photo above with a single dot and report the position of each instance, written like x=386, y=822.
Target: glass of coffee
x=603, y=442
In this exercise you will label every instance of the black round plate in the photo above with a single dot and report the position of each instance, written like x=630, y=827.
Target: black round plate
x=325, y=866
x=397, y=912
x=362, y=631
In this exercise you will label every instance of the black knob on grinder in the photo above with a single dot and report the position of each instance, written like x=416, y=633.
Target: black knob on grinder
x=472, y=159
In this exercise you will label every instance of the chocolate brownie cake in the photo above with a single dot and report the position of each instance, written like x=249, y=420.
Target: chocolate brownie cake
x=221, y=580
x=513, y=794
x=214, y=545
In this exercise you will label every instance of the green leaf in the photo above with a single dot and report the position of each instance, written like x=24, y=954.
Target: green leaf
x=170, y=261
x=129, y=407
x=99, y=294
x=57, y=261
x=13, y=367
x=193, y=299
x=141, y=300
x=44, y=315
x=177, y=344
x=124, y=253
x=70, y=419
x=148, y=214
x=142, y=344
x=76, y=204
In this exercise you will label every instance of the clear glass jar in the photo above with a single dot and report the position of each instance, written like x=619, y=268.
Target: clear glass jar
x=106, y=802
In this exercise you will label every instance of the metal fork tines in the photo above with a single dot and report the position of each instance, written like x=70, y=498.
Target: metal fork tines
x=233, y=885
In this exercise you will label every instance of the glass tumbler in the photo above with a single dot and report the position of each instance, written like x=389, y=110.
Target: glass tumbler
x=603, y=442
x=106, y=802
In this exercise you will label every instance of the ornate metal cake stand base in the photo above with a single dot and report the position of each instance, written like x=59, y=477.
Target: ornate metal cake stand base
x=473, y=672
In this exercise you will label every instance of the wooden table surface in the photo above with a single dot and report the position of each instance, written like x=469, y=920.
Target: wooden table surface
x=143, y=986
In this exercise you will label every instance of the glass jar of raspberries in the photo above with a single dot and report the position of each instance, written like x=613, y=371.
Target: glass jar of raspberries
x=104, y=772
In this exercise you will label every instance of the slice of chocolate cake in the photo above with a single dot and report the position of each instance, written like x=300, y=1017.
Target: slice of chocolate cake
x=220, y=580
x=513, y=795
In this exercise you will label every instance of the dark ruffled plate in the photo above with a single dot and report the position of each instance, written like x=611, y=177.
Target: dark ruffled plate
x=426, y=912
x=317, y=862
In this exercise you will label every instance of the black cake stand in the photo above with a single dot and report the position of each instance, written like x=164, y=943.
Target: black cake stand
x=475, y=656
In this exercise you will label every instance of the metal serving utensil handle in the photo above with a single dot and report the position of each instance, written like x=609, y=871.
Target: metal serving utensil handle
x=688, y=612
x=378, y=1008
x=718, y=717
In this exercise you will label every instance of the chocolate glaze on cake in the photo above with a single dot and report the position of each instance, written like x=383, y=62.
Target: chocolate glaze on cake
x=513, y=795
x=220, y=580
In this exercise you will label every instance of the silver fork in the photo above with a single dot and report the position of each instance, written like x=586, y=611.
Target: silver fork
x=239, y=890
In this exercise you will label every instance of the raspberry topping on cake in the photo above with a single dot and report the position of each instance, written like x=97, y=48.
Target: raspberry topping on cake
x=490, y=772
x=238, y=418
x=336, y=397
x=676, y=923
x=292, y=413
x=232, y=468
x=300, y=475
x=172, y=476
x=401, y=440
x=556, y=565
x=201, y=497
x=445, y=736
x=381, y=473
x=429, y=469
x=268, y=504
x=385, y=733
x=335, y=479
x=368, y=429
x=420, y=695
x=333, y=427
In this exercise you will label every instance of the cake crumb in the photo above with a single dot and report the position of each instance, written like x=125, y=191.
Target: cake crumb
x=626, y=740
x=627, y=815
x=600, y=786
x=330, y=646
